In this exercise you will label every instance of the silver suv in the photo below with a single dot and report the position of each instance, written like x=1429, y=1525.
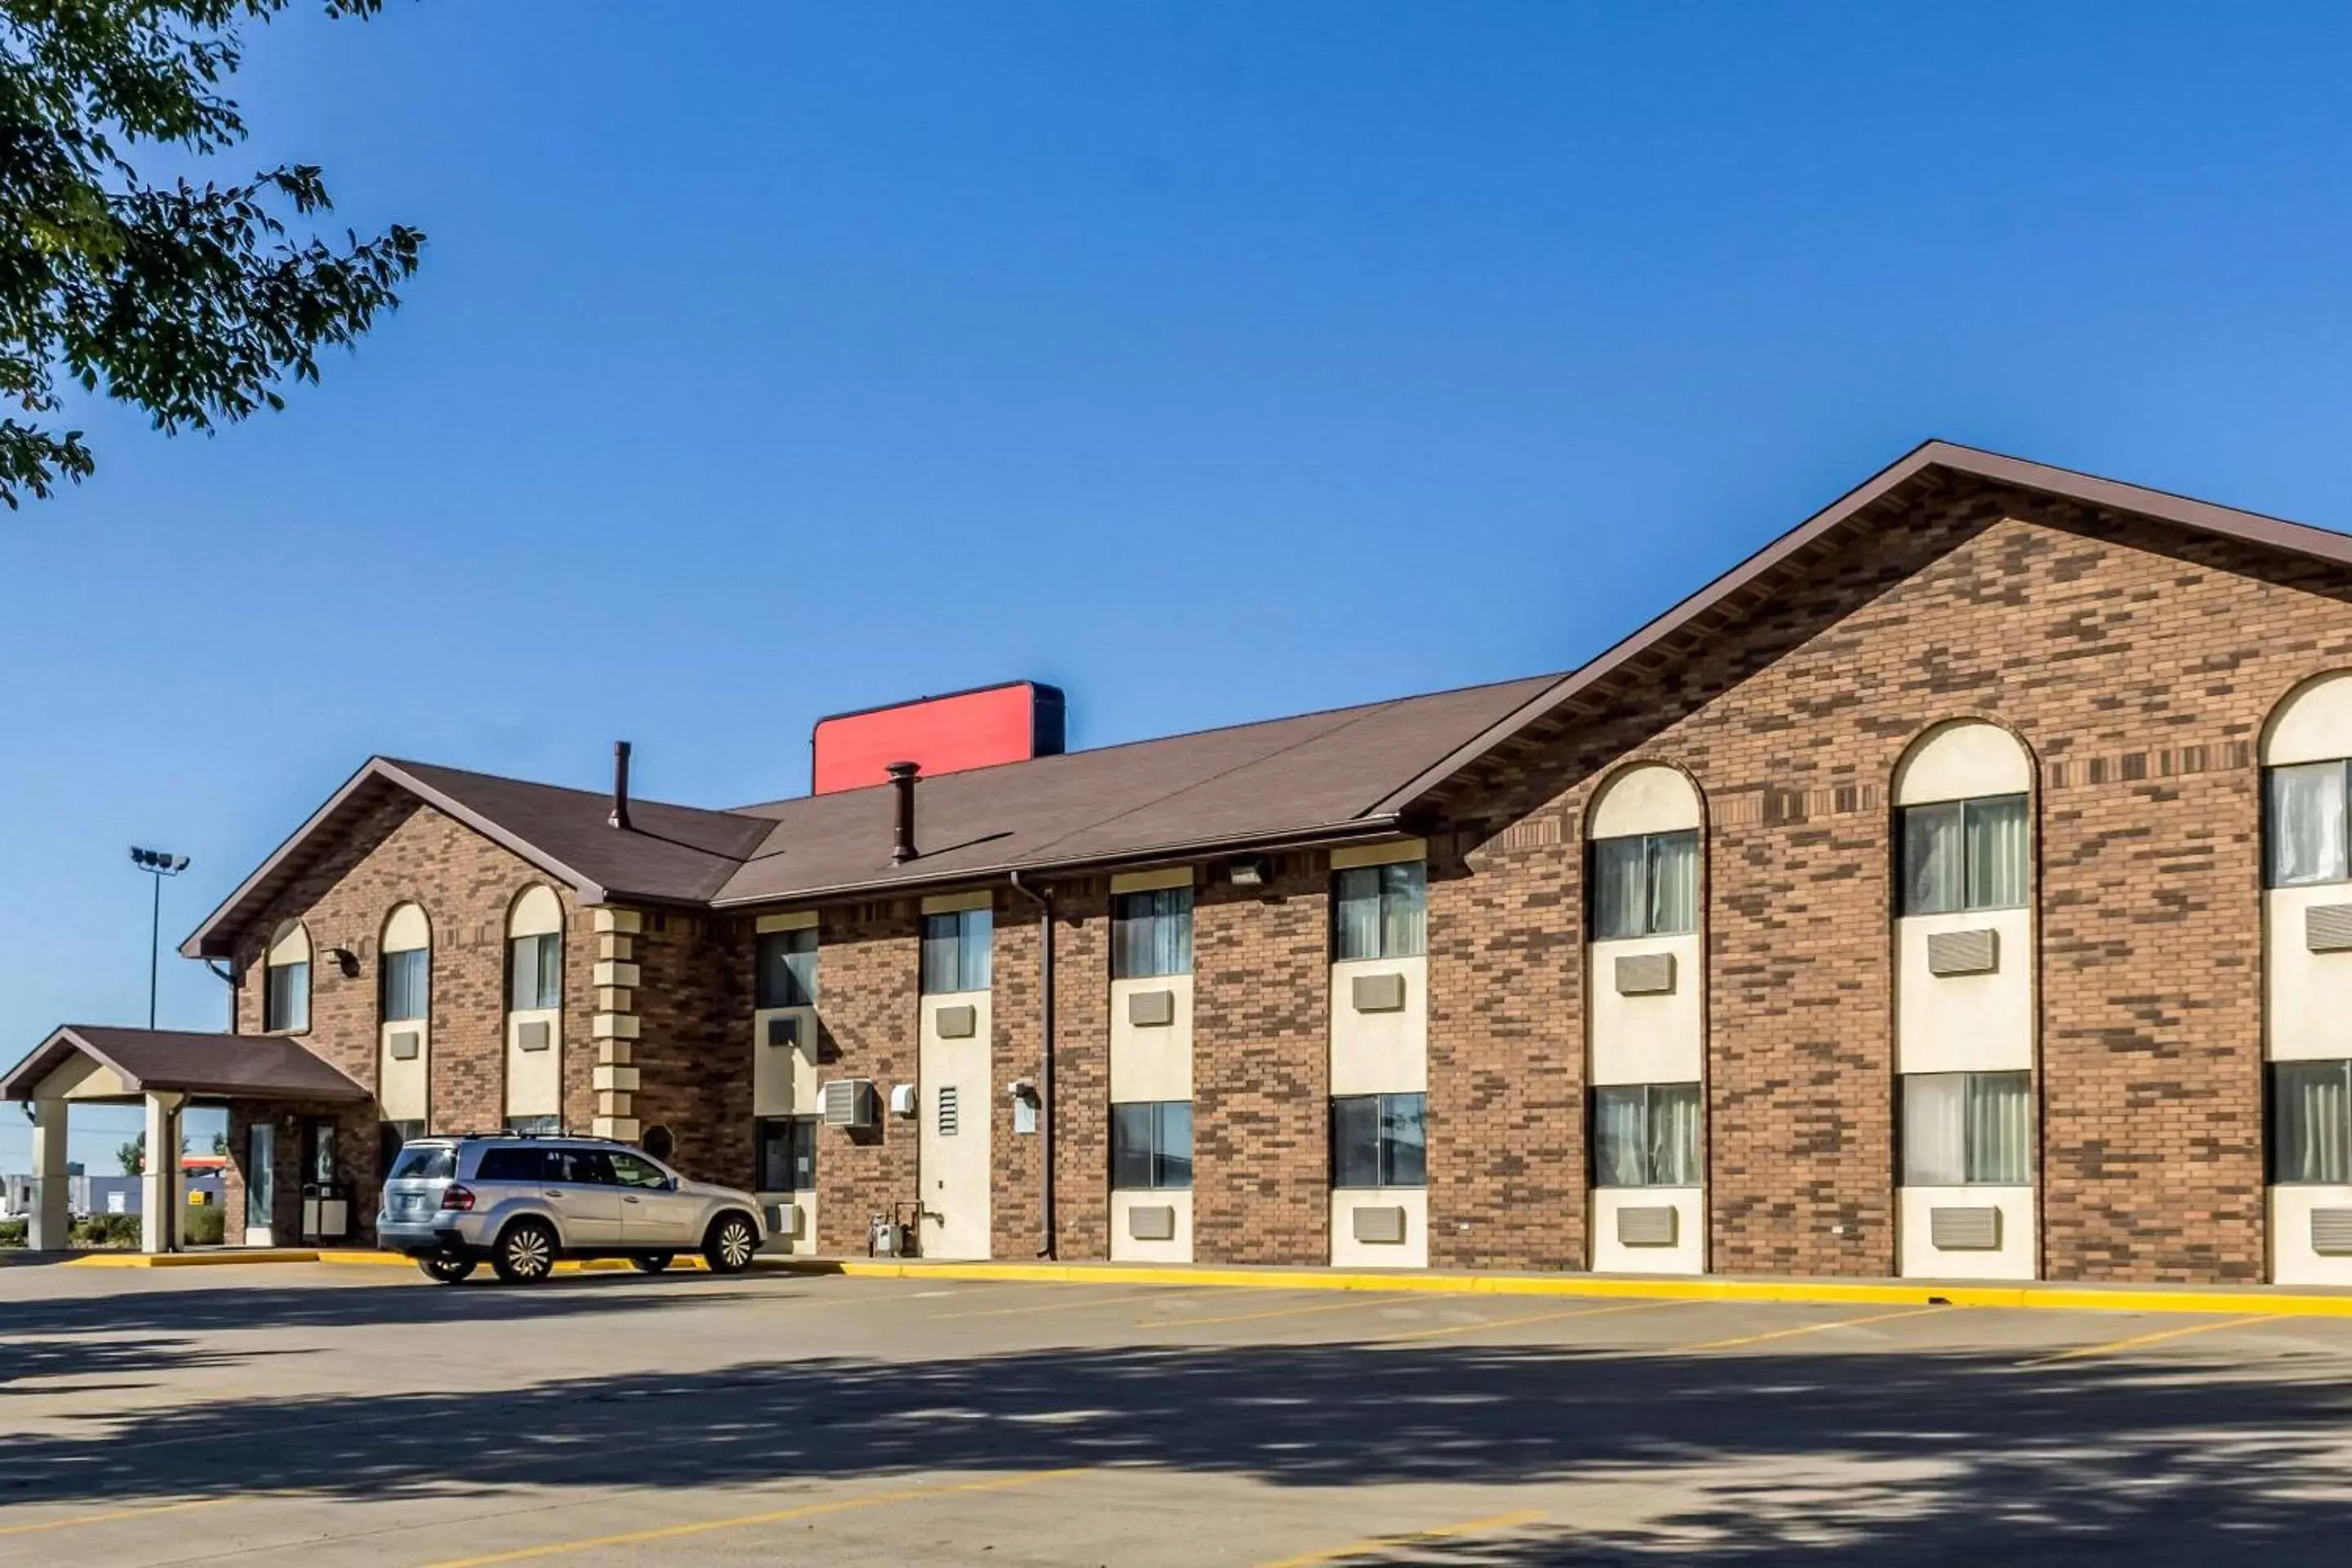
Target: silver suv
x=523, y=1201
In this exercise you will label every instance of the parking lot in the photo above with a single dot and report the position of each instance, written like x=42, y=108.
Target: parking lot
x=316, y=1415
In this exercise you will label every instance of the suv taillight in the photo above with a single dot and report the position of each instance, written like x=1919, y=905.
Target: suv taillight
x=454, y=1197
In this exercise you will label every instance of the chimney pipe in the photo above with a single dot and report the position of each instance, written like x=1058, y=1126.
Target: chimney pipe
x=620, y=817
x=902, y=838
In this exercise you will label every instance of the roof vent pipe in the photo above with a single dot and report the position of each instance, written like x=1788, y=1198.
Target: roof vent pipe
x=620, y=817
x=902, y=837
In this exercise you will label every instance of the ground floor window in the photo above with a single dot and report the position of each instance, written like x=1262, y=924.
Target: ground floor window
x=536, y=1126
x=260, y=1175
x=2311, y=1122
x=1380, y=1140
x=1967, y=1128
x=787, y=1154
x=1152, y=1144
x=1645, y=1135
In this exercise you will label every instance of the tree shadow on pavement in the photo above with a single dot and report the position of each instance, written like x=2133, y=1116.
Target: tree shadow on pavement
x=1837, y=1458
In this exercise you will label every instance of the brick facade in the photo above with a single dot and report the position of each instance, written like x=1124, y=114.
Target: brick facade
x=2136, y=663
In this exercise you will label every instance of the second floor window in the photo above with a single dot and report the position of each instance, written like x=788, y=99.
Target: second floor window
x=1645, y=1135
x=1380, y=1140
x=1151, y=933
x=1964, y=855
x=1380, y=911
x=787, y=960
x=407, y=982
x=1645, y=884
x=956, y=951
x=535, y=973
x=1967, y=1128
x=1152, y=1144
x=286, y=996
x=2304, y=825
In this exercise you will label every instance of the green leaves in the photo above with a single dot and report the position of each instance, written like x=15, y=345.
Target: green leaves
x=195, y=303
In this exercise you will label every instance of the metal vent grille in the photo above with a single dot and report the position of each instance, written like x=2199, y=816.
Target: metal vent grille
x=1385, y=1223
x=784, y=1031
x=847, y=1102
x=1152, y=1222
x=2327, y=928
x=533, y=1036
x=950, y=1111
x=406, y=1044
x=1378, y=993
x=1646, y=974
x=1151, y=1009
x=2331, y=1231
x=784, y=1220
x=1651, y=1225
x=1964, y=1229
x=1964, y=951
x=957, y=1023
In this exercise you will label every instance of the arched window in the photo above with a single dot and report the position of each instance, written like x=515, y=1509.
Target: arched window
x=1644, y=854
x=1963, y=831
x=535, y=951
x=286, y=979
x=407, y=969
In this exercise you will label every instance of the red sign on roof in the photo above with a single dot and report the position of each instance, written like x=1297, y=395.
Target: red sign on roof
x=1009, y=723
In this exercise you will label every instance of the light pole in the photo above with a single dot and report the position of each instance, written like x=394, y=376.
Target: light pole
x=159, y=865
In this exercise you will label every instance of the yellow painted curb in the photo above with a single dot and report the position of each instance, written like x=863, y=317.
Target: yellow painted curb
x=206, y=1260
x=2065, y=1298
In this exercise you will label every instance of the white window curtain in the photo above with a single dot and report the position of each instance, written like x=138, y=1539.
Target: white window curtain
x=1404, y=904
x=2311, y=1122
x=1999, y=858
x=1935, y=1130
x=2001, y=1129
x=1674, y=883
x=1619, y=898
x=1674, y=1135
x=2305, y=823
x=1356, y=919
x=1935, y=872
x=1618, y=1135
x=1154, y=934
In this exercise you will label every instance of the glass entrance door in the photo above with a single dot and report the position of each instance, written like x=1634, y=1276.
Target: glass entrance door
x=260, y=1182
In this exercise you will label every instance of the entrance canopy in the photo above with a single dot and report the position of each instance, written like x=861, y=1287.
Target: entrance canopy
x=89, y=1062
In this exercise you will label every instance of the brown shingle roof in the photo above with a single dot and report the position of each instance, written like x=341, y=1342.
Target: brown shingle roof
x=227, y=1067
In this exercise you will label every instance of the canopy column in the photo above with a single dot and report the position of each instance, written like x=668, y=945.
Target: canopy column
x=51, y=1214
x=161, y=1184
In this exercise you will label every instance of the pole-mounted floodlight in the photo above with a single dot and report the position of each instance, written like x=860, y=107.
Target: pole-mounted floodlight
x=158, y=863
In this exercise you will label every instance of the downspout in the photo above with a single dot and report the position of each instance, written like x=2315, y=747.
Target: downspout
x=1045, y=902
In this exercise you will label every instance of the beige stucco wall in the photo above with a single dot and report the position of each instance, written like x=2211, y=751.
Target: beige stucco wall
x=1347, y=1252
x=1647, y=798
x=1379, y=1053
x=792, y=1218
x=1649, y=1039
x=1961, y=761
x=1965, y=1023
x=953, y=1172
x=1125, y=1248
x=403, y=1088
x=1687, y=1256
x=1153, y=1062
x=1921, y=1259
x=2293, y=1262
x=784, y=1078
x=2313, y=725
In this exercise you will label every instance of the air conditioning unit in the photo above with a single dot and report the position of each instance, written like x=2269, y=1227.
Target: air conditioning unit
x=847, y=1101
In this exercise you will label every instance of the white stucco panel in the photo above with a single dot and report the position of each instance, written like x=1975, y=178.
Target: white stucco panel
x=1155, y=1061
x=1657, y=1039
x=1965, y=1023
x=1379, y=1053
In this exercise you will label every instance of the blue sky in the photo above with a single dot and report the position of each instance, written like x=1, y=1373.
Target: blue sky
x=1211, y=361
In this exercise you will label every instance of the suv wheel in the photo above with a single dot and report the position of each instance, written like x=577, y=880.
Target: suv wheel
x=525, y=1253
x=444, y=1269
x=731, y=1244
x=651, y=1262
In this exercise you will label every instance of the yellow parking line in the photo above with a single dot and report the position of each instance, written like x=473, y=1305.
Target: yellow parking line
x=1045, y=1306
x=112, y=1514
x=1808, y=1328
x=747, y=1520
x=1372, y=1543
x=2081, y=1351
x=1532, y=1317
x=1277, y=1312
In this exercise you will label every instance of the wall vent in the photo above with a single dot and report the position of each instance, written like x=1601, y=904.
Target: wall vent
x=950, y=1111
x=2331, y=1231
x=534, y=1036
x=847, y=1101
x=1646, y=974
x=1151, y=1009
x=1649, y=1225
x=784, y=1220
x=958, y=1023
x=2327, y=928
x=1152, y=1222
x=1964, y=1229
x=1964, y=951
x=405, y=1044
x=1378, y=993
x=1384, y=1223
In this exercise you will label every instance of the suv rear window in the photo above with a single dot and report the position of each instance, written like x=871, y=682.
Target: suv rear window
x=512, y=1166
x=426, y=1163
